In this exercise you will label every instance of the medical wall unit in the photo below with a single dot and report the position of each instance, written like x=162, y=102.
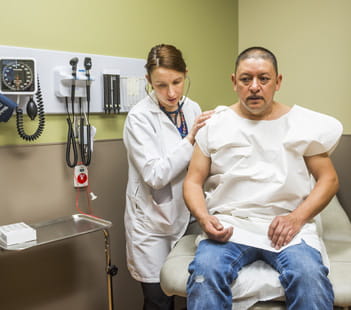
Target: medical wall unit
x=116, y=83
x=38, y=82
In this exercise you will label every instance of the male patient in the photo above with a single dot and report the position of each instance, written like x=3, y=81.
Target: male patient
x=254, y=161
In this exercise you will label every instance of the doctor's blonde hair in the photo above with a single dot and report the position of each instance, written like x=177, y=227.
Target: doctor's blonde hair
x=165, y=56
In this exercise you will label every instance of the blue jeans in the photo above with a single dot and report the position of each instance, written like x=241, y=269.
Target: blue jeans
x=216, y=265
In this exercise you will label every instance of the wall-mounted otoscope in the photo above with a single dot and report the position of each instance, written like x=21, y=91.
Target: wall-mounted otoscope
x=85, y=128
x=79, y=131
x=87, y=66
x=71, y=140
x=73, y=62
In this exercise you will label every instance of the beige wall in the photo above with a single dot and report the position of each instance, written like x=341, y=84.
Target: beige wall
x=205, y=30
x=35, y=187
x=312, y=42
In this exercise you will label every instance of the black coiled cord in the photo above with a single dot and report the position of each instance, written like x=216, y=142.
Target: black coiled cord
x=41, y=125
x=71, y=144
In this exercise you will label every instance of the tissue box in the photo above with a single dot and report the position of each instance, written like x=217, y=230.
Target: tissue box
x=17, y=233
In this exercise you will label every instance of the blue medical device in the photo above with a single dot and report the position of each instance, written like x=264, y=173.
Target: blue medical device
x=7, y=106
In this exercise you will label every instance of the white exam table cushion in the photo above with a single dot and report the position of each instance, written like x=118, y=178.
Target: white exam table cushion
x=252, y=283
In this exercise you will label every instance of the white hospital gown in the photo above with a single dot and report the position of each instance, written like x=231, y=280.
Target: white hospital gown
x=258, y=169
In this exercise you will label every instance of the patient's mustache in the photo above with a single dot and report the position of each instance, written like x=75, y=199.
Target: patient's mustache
x=254, y=97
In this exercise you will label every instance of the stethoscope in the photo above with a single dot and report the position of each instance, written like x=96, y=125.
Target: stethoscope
x=175, y=113
x=71, y=146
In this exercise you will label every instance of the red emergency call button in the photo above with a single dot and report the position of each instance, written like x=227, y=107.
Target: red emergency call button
x=82, y=178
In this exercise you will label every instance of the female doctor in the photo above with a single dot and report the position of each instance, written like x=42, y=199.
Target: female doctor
x=159, y=134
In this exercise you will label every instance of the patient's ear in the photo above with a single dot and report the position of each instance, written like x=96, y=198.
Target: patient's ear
x=233, y=78
x=278, y=82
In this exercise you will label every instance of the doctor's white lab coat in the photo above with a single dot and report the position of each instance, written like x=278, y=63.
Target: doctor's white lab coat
x=155, y=215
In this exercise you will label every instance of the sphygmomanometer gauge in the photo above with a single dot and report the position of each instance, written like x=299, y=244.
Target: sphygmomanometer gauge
x=18, y=76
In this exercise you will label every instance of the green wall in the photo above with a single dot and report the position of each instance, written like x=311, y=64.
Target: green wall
x=205, y=30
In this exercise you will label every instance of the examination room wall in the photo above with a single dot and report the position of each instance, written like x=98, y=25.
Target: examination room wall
x=35, y=183
x=312, y=42
x=205, y=31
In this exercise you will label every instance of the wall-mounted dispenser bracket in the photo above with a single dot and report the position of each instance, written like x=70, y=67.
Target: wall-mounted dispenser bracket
x=63, y=80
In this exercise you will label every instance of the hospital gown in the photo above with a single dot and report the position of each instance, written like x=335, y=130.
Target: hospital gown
x=258, y=172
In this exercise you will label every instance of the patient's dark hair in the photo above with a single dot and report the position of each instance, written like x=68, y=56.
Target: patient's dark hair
x=257, y=52
x=165, y=56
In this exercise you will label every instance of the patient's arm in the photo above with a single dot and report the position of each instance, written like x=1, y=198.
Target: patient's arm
x=284, y=228
x=198, y=172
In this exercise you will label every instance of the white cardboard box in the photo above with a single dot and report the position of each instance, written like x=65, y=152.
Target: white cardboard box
x=17, y=233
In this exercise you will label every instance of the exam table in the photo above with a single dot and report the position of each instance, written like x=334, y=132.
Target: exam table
x=335, y=228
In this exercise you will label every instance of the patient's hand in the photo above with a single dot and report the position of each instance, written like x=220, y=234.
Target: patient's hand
x=214, y=229
x=283, y=229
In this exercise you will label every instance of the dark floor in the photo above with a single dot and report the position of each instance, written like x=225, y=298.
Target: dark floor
x=180, y=304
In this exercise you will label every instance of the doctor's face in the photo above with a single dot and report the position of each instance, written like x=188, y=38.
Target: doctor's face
x=168, y=85
x=256, y=82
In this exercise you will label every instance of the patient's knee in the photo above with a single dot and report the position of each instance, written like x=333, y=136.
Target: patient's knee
x=313, y=276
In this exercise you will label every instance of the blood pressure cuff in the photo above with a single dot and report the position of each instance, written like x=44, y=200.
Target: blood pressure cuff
x=6, y=108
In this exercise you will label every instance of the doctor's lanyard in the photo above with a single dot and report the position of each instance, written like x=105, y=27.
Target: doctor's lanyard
x=183, y=128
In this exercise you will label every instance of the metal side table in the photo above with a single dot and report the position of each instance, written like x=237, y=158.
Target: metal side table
x=69, y=227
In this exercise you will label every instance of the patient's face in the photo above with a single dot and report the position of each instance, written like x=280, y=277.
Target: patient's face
x=256, y=82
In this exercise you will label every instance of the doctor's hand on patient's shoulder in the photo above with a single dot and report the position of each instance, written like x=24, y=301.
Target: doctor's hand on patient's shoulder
x=200, y=121
x=283, y=229
x=214, y=229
